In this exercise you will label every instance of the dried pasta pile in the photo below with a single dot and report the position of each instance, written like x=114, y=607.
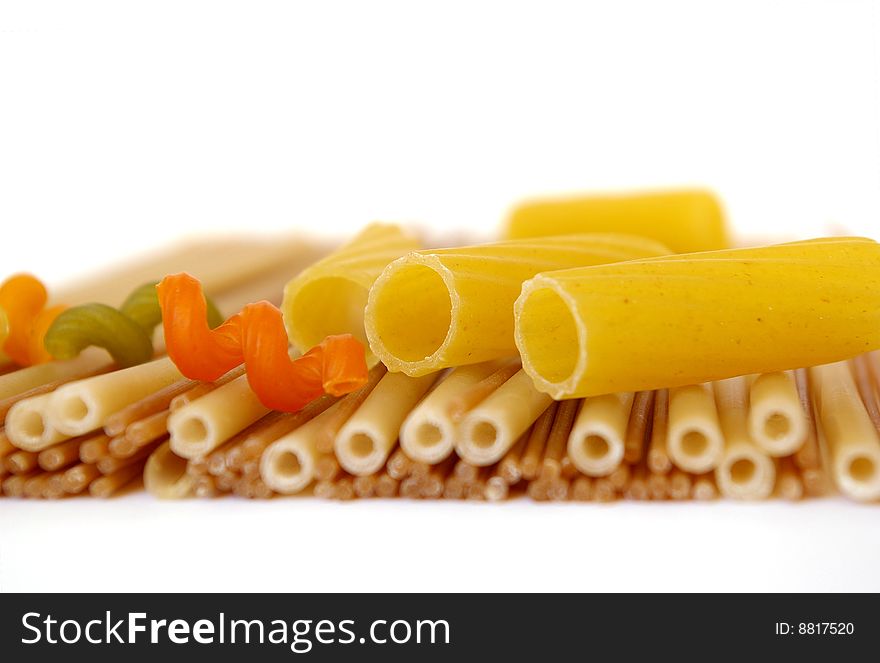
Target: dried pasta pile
x=578, y=358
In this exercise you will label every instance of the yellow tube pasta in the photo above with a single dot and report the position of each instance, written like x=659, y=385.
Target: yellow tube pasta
x=364, y=442
x=428, y=433
x=694, y=439
x=28, y=427
x=201, y=426
x=329, y=297
x=687, y=319
x=745, y=472
x=82, y=406
x=777, y=420
x=850, y=436
x=165, y=475
x=490, y=429
x=685, y=221
x=449, y=307
x=289, y=463
x=596, y=442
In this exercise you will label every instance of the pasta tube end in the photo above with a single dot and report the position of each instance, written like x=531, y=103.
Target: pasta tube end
x=192, y=434
x=335, y=305
x=746, y=474
x=551, y=337
x=73, y=411
x=481, y=441
x=427, y=438
x=28, y=427
x=411, y=315
x=329, y=298
x=596, y=443
x=694, y=441
x=165, y=475
x=360, y=451
x=286, y=468
x=777, y=421
x=858, y=473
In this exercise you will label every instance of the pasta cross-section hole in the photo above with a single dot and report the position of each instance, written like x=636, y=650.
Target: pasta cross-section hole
x=776, y=426
x=428, y=434
x=596, y=447
x=193, y=430
x=32, y=424
x=361, y=445
x=742, y=471
x=287, y=464
x=862, y=468
x=74, y=409
x=413, y=317
x=694, y=443
x=484, y=434
x=549, y=335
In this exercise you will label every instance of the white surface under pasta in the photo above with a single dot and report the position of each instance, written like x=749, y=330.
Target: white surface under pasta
x=690, y=542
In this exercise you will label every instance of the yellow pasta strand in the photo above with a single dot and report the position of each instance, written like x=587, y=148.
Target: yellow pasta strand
x=852, y=441
x=687, y=319
x=450, y=307
x=685, y=221
x=745, y=471
x=329, y=297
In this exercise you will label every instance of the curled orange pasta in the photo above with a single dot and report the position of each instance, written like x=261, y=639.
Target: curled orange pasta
x=257, y=337
x=199, y=352
x=335, y=366
x=23, y=298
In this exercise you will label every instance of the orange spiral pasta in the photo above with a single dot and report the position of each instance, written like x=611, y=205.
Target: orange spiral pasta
x=23, y=298
x=201, y=353
x=336, y=366
x=257, y=337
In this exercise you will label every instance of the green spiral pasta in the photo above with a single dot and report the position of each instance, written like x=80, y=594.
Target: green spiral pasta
x=126, y=333
x=104, y=326
x=142, y=306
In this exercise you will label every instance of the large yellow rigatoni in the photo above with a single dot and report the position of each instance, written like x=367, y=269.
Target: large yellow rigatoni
x=329, y=297
x=449, y=307
x=693, y=318
x=685, y=220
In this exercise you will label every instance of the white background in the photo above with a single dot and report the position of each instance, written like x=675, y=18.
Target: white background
x=127, y=125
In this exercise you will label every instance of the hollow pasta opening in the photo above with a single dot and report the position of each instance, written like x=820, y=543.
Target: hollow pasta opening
x=193, y=430
x=361, y=445
x=777, y=426
x=287, y=464
x=412, y=311
x=694, y=443
x=31, y=424
x=484, y=434
x=742, y=471
x=74, y=408
x=862, y=468
x=596, y=447
x=428, y=434
x=548, y=335
x=165, y=467
x=326, y=307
